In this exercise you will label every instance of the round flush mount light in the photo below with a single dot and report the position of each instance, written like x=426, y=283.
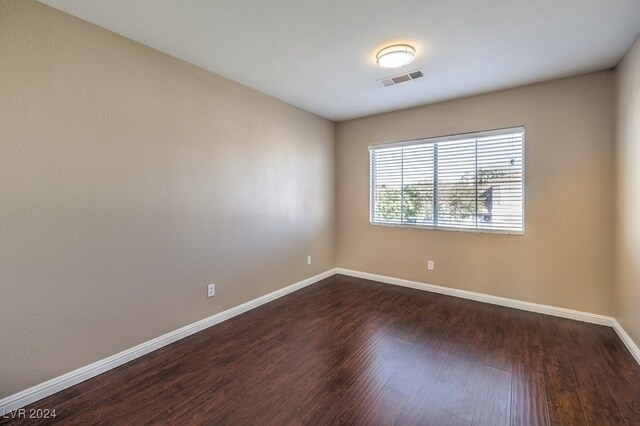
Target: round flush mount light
x=395, y=56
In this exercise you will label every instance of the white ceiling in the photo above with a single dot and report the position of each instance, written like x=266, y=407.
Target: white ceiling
x=320, y=54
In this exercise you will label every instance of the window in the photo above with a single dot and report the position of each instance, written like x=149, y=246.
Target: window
x=473, y=181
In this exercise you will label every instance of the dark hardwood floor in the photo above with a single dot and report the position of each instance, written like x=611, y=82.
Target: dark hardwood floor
x=350, y=351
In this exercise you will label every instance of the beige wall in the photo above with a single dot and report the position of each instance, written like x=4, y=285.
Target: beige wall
x=128, y=181
x=628, y=192
x=565, y=257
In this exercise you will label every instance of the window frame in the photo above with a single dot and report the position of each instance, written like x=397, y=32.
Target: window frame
x=448, y=138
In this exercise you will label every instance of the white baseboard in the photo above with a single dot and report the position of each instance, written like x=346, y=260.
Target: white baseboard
x=35, y=393
x=485, y=298
x=627, y=340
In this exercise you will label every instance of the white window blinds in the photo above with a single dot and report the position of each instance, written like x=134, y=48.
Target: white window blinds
x=473, y=181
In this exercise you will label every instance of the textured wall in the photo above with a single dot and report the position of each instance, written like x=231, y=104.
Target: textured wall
x=565, y=257
x=128, y=181
x=628, y=192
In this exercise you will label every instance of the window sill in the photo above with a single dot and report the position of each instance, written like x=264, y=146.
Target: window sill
x=448, y=229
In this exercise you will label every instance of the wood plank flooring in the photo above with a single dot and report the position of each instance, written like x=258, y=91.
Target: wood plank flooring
x=351, y=351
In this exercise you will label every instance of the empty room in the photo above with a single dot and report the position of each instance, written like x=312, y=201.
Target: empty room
x=294, y=212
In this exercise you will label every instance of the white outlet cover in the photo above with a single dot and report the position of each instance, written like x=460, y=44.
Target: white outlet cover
x=308, y=260
x=430, y=265
x=211, y=290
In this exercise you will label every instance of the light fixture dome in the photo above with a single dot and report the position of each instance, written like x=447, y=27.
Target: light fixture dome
x=395, y=56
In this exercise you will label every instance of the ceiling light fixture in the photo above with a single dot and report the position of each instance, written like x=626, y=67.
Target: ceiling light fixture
x=395, y=56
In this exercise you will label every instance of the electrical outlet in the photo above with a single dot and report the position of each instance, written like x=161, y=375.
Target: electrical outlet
x=211, y=290
x=431, y=265
x=308, y=260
